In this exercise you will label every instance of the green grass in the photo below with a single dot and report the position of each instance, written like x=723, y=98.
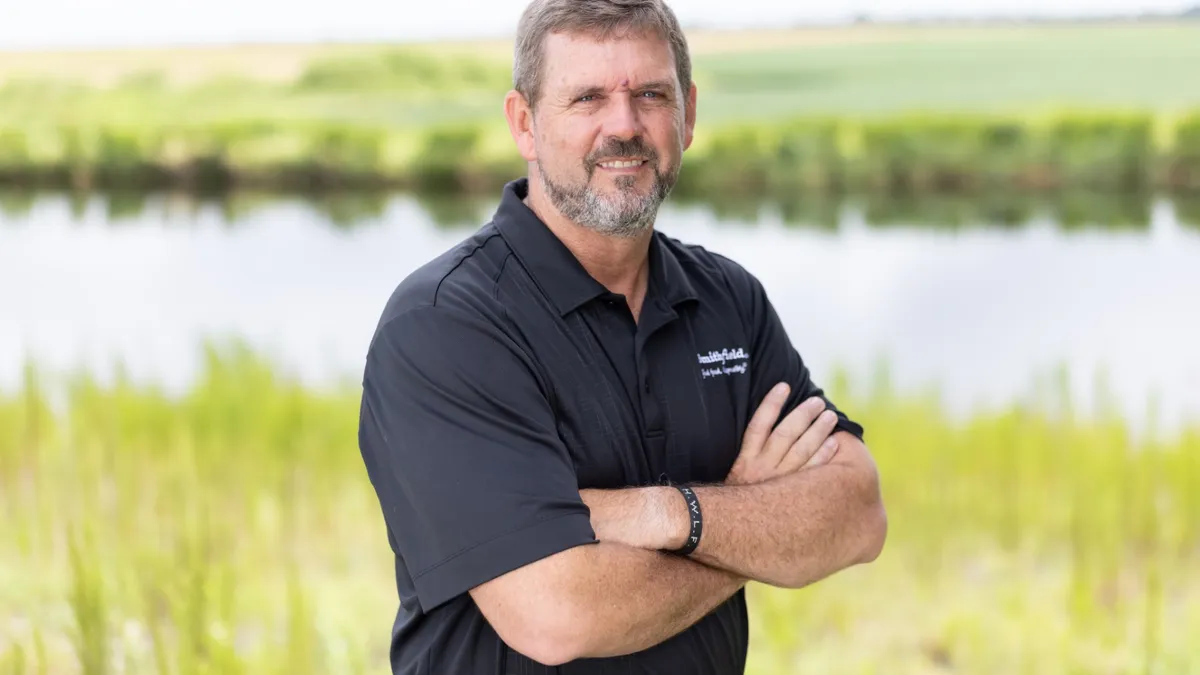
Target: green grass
x=863, y=71
x=232, y=529
x=1001, y=70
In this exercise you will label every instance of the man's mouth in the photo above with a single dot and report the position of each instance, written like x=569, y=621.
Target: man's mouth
x=621, y=163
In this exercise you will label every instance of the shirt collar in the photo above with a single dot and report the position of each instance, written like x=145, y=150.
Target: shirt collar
x=558, y=272
x=668, y=280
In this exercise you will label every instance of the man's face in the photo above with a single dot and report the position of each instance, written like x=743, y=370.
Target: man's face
x=610, y=130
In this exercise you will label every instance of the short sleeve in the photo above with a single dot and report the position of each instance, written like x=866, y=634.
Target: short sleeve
x=460, y=444
x=774, y=359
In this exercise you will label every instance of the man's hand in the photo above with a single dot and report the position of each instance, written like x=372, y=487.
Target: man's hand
x=803, y=439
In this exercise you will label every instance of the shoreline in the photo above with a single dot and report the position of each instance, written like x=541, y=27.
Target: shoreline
x=926, y=154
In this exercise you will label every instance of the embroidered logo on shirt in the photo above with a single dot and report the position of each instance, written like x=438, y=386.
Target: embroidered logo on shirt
x=728, y=362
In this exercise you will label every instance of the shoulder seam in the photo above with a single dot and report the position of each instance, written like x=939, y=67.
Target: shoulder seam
x=500, y=273
x=458, y=264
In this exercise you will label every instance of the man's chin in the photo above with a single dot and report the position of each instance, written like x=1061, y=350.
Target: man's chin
x=621, y=189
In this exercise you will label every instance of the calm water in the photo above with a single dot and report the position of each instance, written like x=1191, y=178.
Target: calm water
x=981, y=302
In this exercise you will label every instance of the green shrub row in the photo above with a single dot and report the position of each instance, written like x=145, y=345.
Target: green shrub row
x=911, y=154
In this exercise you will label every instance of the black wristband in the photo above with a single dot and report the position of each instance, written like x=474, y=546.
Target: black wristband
x=697, y=521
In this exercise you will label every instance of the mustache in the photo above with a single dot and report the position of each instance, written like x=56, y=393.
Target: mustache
x=615, y=148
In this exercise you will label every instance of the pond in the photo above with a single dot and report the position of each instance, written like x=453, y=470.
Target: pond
x=985, y=303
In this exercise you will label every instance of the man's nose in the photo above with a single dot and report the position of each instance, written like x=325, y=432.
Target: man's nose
x=622, y=120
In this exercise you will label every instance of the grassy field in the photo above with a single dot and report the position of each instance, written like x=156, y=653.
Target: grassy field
x=996, y=70
x=1100, y=107
x=283, y=62
x=233, y=530
x=863, y=70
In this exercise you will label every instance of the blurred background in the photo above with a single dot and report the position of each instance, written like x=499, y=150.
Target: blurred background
x=980, y=222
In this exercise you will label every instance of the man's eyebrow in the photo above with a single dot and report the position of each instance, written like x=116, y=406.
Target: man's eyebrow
x=586, y=91
x=661, y=85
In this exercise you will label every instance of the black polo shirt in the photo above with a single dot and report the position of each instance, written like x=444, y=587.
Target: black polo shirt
x=502, y=379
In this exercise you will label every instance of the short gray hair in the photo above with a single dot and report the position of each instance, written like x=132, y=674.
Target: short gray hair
x=601, y=19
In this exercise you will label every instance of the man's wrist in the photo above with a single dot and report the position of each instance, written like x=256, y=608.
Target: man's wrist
x=675, y=522
x=653, y=518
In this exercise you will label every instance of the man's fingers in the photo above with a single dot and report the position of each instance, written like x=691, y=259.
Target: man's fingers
x=809, y=443
x=760, y=425
x=827, y=452
x=791, y=428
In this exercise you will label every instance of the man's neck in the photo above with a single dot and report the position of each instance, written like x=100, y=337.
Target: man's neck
x=620, y=264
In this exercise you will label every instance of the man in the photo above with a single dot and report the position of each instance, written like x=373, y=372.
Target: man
x=573, y=422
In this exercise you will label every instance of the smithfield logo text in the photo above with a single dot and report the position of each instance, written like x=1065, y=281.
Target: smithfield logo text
x=725, y=359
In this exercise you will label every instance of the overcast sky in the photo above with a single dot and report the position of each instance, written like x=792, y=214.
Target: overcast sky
x=57, y=23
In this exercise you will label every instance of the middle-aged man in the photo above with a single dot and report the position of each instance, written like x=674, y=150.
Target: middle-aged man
x=573, y=422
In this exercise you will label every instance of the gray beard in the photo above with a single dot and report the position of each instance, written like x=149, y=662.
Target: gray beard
x=625, y=216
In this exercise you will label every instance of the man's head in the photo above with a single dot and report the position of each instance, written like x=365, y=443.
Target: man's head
x=603, y=107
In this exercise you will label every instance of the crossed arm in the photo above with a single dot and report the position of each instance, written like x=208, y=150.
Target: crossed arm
x=787, y=532
x=623, y=595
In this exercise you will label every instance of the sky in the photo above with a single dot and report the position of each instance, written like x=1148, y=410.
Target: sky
x=32, y=24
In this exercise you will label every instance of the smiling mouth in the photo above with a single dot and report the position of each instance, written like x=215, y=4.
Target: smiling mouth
x=622, y=164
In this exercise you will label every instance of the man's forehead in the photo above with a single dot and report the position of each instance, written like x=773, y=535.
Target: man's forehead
x=619, y=61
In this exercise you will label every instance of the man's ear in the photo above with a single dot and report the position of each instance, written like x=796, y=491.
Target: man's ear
x=520, y=124
x=689, y=118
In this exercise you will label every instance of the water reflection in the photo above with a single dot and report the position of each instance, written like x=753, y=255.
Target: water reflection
x=1068, y=211
x=1026, y=283
x=1187, y=208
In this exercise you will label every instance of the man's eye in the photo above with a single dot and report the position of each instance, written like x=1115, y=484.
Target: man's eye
x=586, y=99
x=653, y=94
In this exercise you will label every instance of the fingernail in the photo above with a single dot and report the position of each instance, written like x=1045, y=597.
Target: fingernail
x=780, y=389
x=830, y=443
x=829, y=416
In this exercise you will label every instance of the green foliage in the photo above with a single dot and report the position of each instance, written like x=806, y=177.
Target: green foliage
x=14, y=151
x=746, y=158
x=1184, y=171
x=400, y=71
x=446, y=154
x=922, y=153
x=932, y=154
x=230, y=528
x=1102, y=151
x=946, y=153
x=87, y=600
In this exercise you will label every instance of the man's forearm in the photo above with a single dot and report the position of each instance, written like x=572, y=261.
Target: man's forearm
x=789, y=531
x=793, y=530
x=629, y=599
x=628, y=595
